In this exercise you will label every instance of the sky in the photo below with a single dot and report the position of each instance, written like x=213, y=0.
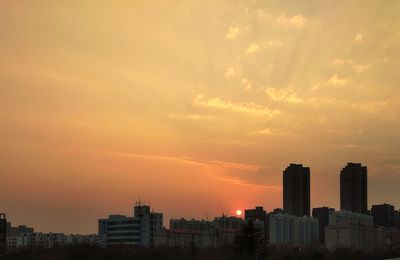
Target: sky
x=194, y=106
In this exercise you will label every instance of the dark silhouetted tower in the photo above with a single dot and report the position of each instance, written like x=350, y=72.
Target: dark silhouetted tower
x=353, y=188
x=257, y=213
x=383, y=215
x=322, y=214
x=3, y=233
x=296, y=190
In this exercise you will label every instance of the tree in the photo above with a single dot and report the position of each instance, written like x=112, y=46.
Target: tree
x=250, y=242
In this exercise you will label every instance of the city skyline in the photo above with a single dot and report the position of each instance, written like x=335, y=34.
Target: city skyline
x=195, y=106
x=296, y=186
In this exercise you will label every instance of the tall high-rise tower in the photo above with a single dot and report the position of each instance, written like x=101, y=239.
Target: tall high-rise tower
x=353, y=188
x=3, y=233
x=296, y=190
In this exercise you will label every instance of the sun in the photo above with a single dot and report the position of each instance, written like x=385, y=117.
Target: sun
x=238, y=212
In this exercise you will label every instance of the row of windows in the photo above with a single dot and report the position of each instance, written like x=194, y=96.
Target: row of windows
x=124, y=228
x=124, y=240
x=124, y=222
x=125, y=234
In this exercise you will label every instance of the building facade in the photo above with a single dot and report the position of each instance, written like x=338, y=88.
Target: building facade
x=192, y=224
x=357, y=231
x=353, y=188
x=138, y=230
x=383, y=215
x=296, y=190
x=289, y=230
x=48, y=240
x=322, y=214
x=201, y=234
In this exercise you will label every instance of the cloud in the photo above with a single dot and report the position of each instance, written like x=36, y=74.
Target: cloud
x=245, y=108
x=163, y=158
x=185, y=160
x=190, y=116
x=361, y=68
x=238, y=166
x=370, y=107
x=359, y=37
x=229, y=72
x=337, y=81
x=261, y=15
x=210, y=164
x=247, y=84
x=243, y=183
x=297, y=21
x=350, y=146
x=286, y=95
x=356, y=67
x=232, y=33
x=265, y=131
x=252, y=48
x=340, y=62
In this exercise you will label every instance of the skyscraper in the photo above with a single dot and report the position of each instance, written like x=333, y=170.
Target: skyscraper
x=3, y=233
x=353, y=188
x=296, y=190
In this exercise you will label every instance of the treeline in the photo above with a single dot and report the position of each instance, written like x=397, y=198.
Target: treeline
x=229, y=253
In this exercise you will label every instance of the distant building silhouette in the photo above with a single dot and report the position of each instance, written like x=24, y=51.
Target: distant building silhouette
x=397, y=218
x=296, y=190
x=276, y=211
x=383, y=215
x=322, y=214
x=353, y=188
x=259, y=217
x=138, y=230
x=3, y=233
x=189, y=225
x=258, y=213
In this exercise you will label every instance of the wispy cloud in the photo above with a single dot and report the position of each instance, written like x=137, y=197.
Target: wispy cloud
x=232, y=33
x=287, y=95
x=162, y=158
x=340, y=62
x=247, y=84
x=246, y=108
x=262, y=16
x=190, y=116
x=209, y=164
x=359, y=37
x=337, y=81
x=229, y=72
x=265, y=131
x=361, y=68
x=243, y=183
x=370, y=107
x=297, y=21
x=238, y=166
x=253, y=48
x=350, y=146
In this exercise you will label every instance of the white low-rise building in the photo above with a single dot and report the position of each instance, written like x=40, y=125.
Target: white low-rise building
x=288, y=230
x=357, y=231
x=138, y=230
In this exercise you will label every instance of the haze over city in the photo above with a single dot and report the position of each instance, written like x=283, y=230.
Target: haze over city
x=195, y=106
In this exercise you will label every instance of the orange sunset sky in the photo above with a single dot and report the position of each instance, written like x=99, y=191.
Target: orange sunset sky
x=195, y=106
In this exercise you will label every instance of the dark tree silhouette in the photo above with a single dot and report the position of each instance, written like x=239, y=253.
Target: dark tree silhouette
x=250, y=242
